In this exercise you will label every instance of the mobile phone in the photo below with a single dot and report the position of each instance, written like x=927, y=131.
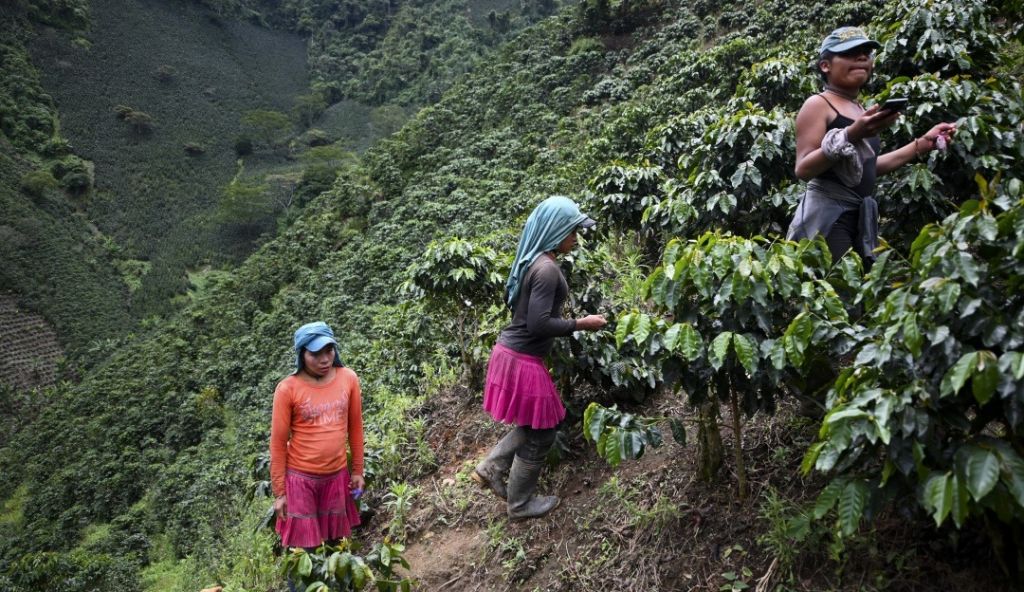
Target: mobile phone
x=895, y=104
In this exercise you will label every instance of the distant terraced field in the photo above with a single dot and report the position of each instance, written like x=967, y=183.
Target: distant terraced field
x=29, y=350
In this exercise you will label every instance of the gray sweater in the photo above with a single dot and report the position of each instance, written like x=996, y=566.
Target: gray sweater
x=537, y=319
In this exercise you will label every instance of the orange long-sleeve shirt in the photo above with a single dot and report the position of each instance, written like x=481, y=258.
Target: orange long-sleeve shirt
x=311, y=425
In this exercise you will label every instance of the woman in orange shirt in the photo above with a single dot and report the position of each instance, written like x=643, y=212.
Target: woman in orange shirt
x=317, y=419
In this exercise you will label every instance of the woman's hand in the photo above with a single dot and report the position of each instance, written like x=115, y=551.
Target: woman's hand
x=591, y=322
x=936, y=138
x=281, y=506
x=357, y=482
x=872, y=121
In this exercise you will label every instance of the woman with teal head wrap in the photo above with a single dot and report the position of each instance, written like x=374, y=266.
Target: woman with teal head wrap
x=519, y=389
x=548, y=225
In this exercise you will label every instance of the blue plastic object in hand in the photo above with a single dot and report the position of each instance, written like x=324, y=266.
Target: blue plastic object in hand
x=357, y=493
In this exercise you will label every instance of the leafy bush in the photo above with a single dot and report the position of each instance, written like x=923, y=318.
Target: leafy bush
x=339, y=568
x=619, y=436
x=951, y=38
x=27, y=113
x=75, y=571
x=140, y=122
x=933, y=404
x=459, y=278
x=243, y=146
x=75, y=174
x=268, y=126
x=37, y=183
x=743, y=317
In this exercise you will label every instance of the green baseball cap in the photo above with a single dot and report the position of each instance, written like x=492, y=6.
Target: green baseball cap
x=846, y=38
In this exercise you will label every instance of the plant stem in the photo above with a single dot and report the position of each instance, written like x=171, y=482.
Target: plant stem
x=741, y=469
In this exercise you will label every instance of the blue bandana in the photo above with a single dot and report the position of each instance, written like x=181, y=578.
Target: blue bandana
x=314, y=337
x=548, y=225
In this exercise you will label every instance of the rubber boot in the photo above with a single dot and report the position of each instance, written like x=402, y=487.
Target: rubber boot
x=522, y=481
x=492, y=472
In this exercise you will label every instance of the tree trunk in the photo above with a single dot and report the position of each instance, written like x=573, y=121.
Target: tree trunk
x=467, y=371
x=709, y=439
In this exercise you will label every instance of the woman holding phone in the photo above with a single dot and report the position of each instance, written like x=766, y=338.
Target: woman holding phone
x=837, y=149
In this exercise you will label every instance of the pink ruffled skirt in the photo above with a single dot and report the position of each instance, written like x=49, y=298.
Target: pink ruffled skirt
x=519, y=390
x=320, y=508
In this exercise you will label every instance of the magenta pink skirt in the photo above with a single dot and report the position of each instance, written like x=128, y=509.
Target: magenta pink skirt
x=520, y=391
x=320, y=508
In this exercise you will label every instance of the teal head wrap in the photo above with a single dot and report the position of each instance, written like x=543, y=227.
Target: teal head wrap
x=548, y=225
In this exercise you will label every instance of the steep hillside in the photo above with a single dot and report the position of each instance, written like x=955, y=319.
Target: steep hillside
x=195, y=77
x=51, y=251
x=677, y=121
x=174, y=130
x=402, y=52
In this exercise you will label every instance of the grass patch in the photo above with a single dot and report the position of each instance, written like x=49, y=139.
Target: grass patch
x=164, y=575
x=13, y=508
x=95, y=533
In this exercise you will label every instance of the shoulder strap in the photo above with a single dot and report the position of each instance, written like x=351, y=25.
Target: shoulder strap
x=822, y=95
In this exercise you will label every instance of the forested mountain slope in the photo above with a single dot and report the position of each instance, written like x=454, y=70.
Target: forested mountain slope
x=188, y=80
x=108, y=209
x=677, y=119
x=170, y=138
x=49, y=249
x=404, y=52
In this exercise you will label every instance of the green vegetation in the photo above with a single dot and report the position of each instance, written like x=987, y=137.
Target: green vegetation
x=401, y=52
x=339, y=568
x=131, y=118
x=676, y=117
x=205, y=89
x=931, y=318
x=50, y=249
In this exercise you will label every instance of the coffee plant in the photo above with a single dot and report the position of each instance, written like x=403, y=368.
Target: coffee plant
x=932, y=407
x=740, y=317
x=338, y=568
x=459, y=279
x=619, y=435
x=766, y=333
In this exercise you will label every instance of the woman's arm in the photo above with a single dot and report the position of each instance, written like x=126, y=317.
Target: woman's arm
x=540, y=321
x=811, y=124
x=893, y=160
x=280, y=431
x=355, y=434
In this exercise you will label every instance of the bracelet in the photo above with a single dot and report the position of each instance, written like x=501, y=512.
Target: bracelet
x=917, y=149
